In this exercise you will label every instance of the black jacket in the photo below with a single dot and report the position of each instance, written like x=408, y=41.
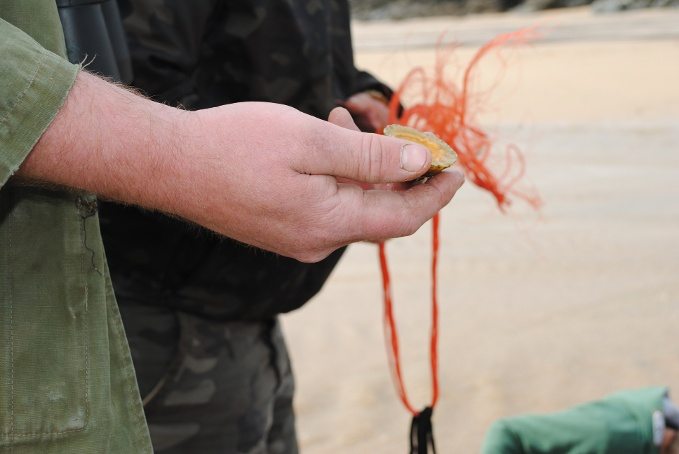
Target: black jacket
x=201, y=54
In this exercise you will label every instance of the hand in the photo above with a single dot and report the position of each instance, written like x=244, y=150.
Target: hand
x=341, y=117
x=276, y=181
x=668, y=444
x=371, y=114
x=264, y=174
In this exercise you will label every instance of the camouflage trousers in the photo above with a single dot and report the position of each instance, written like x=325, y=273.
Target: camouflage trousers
x=212, y=386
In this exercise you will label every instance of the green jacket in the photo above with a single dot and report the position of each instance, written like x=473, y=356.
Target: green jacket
x=67, y=384
x=628, y=422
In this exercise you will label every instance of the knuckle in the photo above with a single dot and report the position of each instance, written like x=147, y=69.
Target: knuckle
x=312, y=256
x=371, y=158
x=413, y=215
x=409, y=225
x=443, y=194
x=399, y=225
x=317, y=244
x=436, y=195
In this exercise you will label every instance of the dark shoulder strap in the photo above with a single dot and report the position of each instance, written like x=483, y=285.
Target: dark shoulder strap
x=94, y=35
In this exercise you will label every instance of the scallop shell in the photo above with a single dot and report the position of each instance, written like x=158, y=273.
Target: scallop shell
x=442, y=156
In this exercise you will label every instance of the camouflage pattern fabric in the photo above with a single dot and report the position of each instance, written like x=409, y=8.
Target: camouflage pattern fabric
x=183, y=289
x=225, y=387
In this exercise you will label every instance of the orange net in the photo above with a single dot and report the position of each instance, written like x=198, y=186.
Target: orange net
x=448, y=108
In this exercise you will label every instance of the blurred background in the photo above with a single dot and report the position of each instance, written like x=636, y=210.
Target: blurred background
x=539, y=310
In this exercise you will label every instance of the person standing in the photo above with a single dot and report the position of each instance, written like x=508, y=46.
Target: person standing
x=201, y=312
x=66, y=378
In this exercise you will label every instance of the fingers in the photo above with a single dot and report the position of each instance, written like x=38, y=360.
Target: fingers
x=368, y=158
x=375, y=215
x=378, y=215
x=370, y=111
x=341, y=117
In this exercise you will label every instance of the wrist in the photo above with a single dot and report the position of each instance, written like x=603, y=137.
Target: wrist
x=111, y=142
x=163, y=158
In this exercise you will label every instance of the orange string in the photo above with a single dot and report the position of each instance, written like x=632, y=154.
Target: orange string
x=391, y=332
x=441, y=105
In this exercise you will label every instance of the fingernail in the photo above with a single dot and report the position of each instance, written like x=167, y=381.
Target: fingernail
x=413, y=157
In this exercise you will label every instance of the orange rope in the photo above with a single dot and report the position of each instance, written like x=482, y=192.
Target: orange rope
x=391, y=332
x=438, y=103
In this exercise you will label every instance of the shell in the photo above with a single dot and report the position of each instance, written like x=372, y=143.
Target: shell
x=442, y=156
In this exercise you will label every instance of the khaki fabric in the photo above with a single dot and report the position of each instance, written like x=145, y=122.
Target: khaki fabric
x=67, y=384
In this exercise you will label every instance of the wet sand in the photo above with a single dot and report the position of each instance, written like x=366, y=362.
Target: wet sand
x=539, y=311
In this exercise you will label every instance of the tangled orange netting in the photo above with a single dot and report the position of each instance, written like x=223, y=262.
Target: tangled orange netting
x=440, y=104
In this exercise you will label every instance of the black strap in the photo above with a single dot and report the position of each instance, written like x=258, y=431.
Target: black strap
x=94, y=34
x=421, y=433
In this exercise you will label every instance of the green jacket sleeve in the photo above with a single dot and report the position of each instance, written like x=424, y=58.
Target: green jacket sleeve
x=622, y=423
x=34, y=83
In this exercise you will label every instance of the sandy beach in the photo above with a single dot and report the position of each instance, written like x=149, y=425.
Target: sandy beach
x=539, y=311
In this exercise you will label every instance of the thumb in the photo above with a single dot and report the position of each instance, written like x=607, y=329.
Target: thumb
x=369, y=158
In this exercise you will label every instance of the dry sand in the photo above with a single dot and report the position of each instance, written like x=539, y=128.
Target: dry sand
x=539, y=311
